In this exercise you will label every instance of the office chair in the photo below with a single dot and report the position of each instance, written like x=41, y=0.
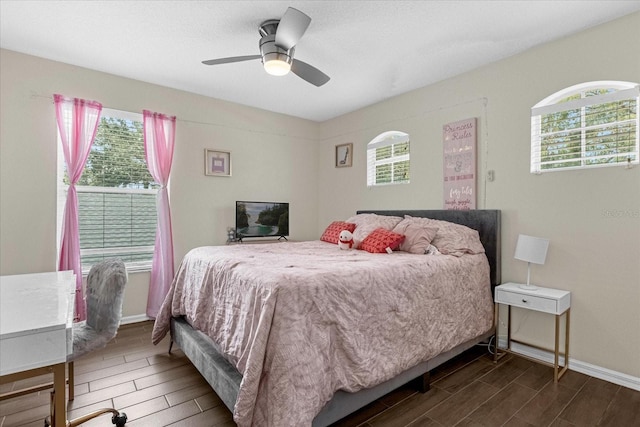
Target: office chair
x=105, y=293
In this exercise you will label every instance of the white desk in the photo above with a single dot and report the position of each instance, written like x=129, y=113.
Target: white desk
x=36, y=317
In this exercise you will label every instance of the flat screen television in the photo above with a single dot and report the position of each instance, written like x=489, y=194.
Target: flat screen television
x=262, y=219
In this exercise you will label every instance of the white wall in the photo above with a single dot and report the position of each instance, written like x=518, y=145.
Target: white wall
x=592, y=217
x=274, y=157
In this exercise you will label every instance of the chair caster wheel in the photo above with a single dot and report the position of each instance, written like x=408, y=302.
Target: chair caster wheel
x=119, y=420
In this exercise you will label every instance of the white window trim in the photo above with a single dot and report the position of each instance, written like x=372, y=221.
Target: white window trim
x=135, y=266
x=550, y=105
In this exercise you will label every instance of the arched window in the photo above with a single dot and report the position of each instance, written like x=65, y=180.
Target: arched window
x=388, y=159
x=587, y=125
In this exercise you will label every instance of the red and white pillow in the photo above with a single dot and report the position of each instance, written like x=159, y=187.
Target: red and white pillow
x=381, y=240
x=332, y=232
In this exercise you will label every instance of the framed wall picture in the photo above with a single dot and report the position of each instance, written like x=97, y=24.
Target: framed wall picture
x=344, y=155
x=217, y=163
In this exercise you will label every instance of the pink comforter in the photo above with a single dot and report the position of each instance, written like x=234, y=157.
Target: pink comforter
x=302, y=320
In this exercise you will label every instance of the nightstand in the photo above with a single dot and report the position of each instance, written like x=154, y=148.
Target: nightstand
x=546, y=300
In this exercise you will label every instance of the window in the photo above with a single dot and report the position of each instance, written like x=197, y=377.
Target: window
x=588, y=125
x=116, y=195
x=388, y=159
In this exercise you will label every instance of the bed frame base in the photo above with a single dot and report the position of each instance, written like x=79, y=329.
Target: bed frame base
x=344, y=403
x=205, y=355
x=225, y=379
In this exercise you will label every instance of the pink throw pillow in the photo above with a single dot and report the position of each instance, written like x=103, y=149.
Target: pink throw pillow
x=418, y=236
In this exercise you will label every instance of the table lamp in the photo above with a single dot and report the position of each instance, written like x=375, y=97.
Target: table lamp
x=532, y=250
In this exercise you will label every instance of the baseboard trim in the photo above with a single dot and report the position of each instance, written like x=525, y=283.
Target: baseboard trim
x=134, y=319
x=579, y=366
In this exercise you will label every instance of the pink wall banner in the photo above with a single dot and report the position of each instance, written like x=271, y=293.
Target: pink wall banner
x=459, y=172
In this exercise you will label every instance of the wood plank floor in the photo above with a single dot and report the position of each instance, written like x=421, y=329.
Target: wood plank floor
x=157, y=389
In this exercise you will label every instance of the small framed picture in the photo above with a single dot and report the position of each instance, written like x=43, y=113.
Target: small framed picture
x=217, y=163
x=344, y=155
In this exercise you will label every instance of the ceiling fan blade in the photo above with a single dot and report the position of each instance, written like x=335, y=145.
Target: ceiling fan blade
x=309, y=73
x=291, y=28
x=231, y=59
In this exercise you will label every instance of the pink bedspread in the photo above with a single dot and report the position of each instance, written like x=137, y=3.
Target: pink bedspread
x=302, y=320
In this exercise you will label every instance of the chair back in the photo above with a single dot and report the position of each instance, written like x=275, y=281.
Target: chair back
x=105, y=293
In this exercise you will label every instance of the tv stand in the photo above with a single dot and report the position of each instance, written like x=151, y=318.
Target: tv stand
x=242, y=241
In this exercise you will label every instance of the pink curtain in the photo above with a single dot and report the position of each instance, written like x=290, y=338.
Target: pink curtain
x=77, y=124
x=159, y=140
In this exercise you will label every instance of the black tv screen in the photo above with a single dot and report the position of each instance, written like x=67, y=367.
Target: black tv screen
x=261, y=219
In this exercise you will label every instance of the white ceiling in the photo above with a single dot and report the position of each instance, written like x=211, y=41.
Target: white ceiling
x=372, y=50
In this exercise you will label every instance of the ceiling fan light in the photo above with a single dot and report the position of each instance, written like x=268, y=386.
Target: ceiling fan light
x=276, y=67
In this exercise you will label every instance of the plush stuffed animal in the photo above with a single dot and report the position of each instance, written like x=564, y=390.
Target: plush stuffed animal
x=345, y=241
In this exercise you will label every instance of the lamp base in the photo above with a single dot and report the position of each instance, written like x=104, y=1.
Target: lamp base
x=528, y=287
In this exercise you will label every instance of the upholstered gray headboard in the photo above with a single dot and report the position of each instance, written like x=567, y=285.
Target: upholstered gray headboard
x=486, y=221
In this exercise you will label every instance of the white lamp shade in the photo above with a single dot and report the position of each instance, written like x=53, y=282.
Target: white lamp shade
x=531, y=249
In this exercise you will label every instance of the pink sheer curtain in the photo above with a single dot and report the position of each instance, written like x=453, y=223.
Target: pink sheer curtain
x=77, y=124
x=159, y=140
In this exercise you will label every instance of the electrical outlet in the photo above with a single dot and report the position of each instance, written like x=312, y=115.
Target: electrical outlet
x=490, y=175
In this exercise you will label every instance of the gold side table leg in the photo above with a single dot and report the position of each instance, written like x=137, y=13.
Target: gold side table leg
x=567, y=323
x=71, y=381
x=557, y=372
x=59, y=417
x=556, y=350
x=566, y=338
x=496, y=323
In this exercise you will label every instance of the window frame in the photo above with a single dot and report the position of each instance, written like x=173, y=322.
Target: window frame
x=132, y=266
x=387, y=139
x=553, y=104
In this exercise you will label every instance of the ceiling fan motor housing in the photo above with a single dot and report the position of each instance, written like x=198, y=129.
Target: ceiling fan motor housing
x=271, y=52
x=268, y=48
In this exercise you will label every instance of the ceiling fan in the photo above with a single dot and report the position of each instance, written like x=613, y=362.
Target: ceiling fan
x=277, y=46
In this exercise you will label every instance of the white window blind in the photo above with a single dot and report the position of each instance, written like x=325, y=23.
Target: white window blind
x=116, y=195
x=388, y=159
x=589, y=125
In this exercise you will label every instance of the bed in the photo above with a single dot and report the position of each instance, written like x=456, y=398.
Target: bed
x=315, y=331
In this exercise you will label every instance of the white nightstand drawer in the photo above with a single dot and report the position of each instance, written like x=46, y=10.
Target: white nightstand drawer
x=527, y=301
x=547, y=300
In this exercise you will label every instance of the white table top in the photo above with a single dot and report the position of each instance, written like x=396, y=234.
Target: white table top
x=538, y=291
x=35, y=308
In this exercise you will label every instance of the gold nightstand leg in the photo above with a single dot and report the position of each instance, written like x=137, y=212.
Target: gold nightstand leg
x=557, y=372
x=496, y=323
x=567, y=315
x=556, y=350
x=566, y=342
